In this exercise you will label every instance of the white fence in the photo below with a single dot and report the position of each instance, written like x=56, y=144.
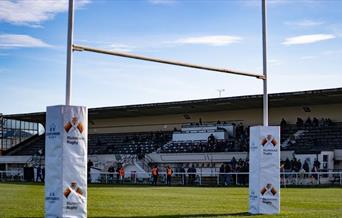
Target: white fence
x=218, y=179
x=213, y=179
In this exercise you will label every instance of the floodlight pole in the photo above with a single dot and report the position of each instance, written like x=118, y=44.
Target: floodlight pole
x=264, y=62
x=69, y=53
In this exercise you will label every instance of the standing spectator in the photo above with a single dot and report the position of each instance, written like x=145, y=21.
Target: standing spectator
x=169, y=173
x=317, y=164
x=111, y=171
x=287, y=165
x=227, y=176
x=192, y=174
x=193, y=170
x=314, y=174
x=299, y=165
x=42, y=177
x=39, y=171
x=155, y=175
x=299, y=122
x=211, y=140
x=222, y=175
x=233, y=163
x=315, y=122
x=283, y=123
x=182, y=171
x=89, y=166
x=306, y=168
x=118, y=173
x=282, y=170
x=122, y=174
x=308, y=122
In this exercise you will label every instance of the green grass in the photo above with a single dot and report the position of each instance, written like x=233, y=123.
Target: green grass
x=26, y=200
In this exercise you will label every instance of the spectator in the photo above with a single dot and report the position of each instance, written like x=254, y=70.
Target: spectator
x=283, y=123
x=211, y=139
x=233, y=163
x=306, y=167
x=315, y=122
x=39, y=175
x=299, y=165
x=43, y=175
x=301, y=176
x=192, y=175
x=222, y=176
x=169, y=173
x=317, y=164
x=111, y=171
x=182, y=171
x=227, y=176
x=287, y=165
x=299, y=122
x=122, y=174
x=314, y=174
x=118, y=173
x=155, y=175
x=282, y=170
x=89, y=166
x=308, y=122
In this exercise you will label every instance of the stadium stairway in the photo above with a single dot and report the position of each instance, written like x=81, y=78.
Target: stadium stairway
x=29, y=146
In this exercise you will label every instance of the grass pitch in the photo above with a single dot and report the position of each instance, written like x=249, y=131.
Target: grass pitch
x=26, y=200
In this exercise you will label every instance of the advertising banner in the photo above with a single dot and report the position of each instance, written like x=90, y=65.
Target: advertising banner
x=264, y=170
x=66, y=133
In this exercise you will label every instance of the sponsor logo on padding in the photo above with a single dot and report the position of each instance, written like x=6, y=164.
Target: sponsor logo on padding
x=73, y=125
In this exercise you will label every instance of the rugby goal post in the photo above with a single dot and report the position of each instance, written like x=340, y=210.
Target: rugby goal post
x=65, y=138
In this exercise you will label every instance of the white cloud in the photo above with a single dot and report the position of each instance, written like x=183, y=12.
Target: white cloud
x=304, y=23
x=214, y=40
x=21, y=41
x=306, y=39
x=162, y=2
x=32, y=13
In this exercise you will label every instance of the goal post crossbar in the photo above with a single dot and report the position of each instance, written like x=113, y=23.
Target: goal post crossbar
x=164, y=61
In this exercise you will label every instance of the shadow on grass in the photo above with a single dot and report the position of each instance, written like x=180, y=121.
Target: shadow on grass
x=180, y=215
x=173, y=216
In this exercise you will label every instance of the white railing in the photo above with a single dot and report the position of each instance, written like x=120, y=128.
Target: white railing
x=224, y=179
x=205, y=179
x=12, y=175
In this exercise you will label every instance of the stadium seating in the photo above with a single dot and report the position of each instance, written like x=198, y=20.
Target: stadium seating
x=316, y=138
x=293, y=137
x=109, y=143
x=198, y=146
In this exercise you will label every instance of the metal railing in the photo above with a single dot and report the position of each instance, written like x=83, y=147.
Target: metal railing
x=219, y=179
x=198, y=179
x=12, y=176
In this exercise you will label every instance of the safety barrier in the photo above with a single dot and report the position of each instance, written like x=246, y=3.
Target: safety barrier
x=197, y=179
x=218, y=179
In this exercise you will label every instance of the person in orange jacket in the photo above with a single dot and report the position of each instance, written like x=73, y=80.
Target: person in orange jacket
x=155, y=174
x=169, y=173
x=122, y=174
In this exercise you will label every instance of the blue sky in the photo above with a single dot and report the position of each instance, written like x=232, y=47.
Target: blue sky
x=304, y=50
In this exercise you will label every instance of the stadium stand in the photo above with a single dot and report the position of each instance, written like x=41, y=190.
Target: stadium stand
x=314, y=138
x=109, y=143
x=179, y=134
x=293, y=137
